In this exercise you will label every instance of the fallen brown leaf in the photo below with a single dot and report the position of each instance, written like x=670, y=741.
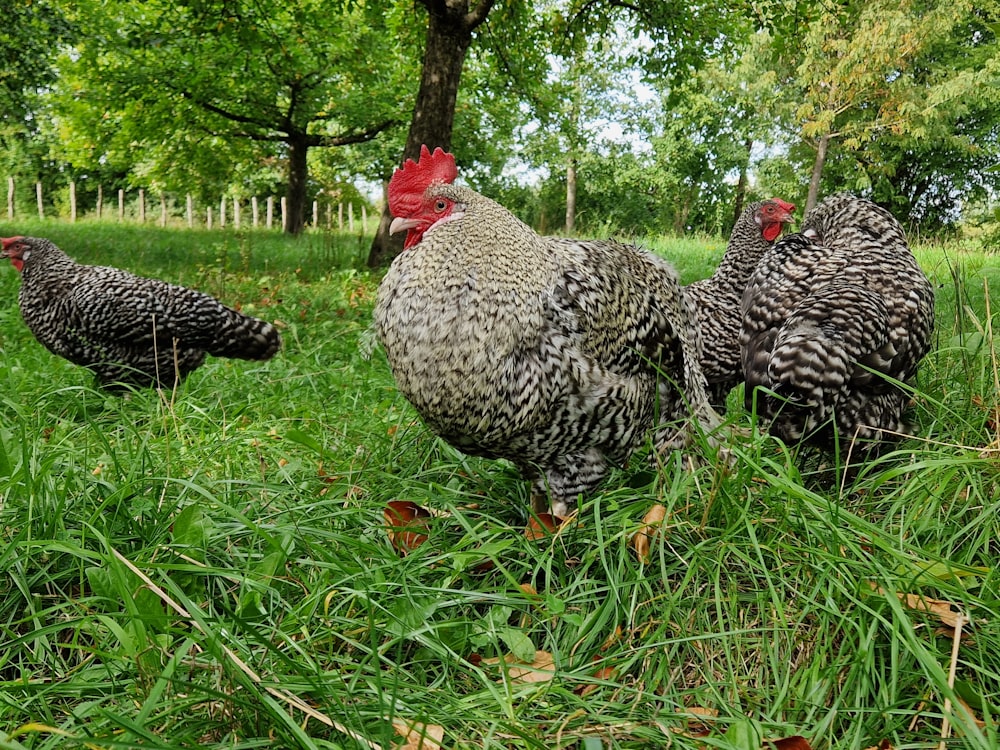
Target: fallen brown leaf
x=698, y=723
x=541, y=669
x=947, y=612
x=529, y=590
x=405, y=525
x=417, y=736
x=972, y=714
x=541, y=526
x=650, y=526
x=941, y=609
x=604, y=673
x=795, y=742
x=883, y=745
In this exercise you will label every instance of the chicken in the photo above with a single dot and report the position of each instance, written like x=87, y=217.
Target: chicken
x=125, y=328
x=833, y=316
x=557, y=354
x=717, y=298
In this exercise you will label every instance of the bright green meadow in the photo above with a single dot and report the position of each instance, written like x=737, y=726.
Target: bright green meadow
x=210, y=568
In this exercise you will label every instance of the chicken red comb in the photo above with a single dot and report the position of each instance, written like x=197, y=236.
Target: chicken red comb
x=410, y=182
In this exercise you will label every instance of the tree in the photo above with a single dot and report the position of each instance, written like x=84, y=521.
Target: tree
x=29, y=44
x=863, y=72
x=33, y=32
x=183, y=79
x=450, y=26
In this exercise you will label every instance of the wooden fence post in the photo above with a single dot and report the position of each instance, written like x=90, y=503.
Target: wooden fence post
x=163, y=210
x=142, y=206
x=236, y=212
x=100, y=200
x=222, y=213
x=189, y=210
x=121, y=205
x=350, y=217
x=315, y=213
x=209, y=218
x=10, y=197
x=340, y=216
x=270, y=211
x=284, y=213
x=72, y=201
x=254, y=210
x=38, y=196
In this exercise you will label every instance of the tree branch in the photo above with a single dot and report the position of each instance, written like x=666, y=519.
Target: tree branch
x=478, y=14
x=226, y=114
x=357, y=137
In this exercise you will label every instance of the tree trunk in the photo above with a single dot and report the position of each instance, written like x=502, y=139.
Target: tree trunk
x=449, y=34
x=741, y=185
x=570, y=195
x=298, y=174
x=817, y=173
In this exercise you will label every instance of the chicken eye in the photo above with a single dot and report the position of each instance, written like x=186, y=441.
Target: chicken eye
x=440, y=205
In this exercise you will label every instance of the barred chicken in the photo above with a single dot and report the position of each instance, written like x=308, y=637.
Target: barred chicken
x=127, y=329
x=559, y=355
x=832, y=316
x=717, y=298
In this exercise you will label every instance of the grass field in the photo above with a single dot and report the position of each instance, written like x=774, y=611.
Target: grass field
x=211, y=568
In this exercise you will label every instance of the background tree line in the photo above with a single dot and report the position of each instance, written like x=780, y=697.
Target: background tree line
x=579, y=115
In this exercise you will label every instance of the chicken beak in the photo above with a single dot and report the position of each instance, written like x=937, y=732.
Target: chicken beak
x=399, y=224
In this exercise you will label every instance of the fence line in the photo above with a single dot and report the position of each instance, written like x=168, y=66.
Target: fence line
x=235, y=211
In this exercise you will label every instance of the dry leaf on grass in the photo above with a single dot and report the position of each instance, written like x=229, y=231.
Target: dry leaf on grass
x=417, y=736
x=883, y=745
x=795, y=742
x=941, y=609
x=541, y=526
x=541, y=669
x=972, y=714
x=603, y=673
x=406, y=523
x=698, y=722
x=528, y=590
x=946, y=612
x=647, y=532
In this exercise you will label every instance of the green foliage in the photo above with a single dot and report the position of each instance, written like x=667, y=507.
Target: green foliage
x=32, y=31
x=903, y=93
x=202, y=90
x=673, y=114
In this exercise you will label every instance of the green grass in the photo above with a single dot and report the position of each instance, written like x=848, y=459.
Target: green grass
x=193, y=569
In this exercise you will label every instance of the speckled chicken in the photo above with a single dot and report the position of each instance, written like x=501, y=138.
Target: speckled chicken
x=125, y=328
x=717, y=299
x=831, y=316
x=543, y=351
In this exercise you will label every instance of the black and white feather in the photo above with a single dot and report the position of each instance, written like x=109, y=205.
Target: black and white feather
x=562, y=356
x=716, y=300
x=126, y=328
x=834, y=317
